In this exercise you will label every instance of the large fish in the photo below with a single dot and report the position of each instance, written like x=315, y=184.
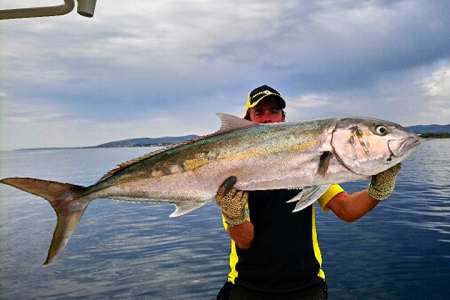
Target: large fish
x=309, y=155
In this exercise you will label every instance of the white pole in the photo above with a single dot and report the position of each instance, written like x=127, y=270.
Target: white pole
x=85, y=8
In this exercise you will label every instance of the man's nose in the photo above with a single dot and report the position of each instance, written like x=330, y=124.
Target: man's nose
x=267, y=118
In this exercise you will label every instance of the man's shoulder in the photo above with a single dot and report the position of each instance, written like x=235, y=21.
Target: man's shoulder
x=329, y=194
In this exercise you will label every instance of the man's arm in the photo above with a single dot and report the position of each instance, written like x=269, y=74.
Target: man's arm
x=351, y=207
x=348, y=207
x=232, y=203
x=242, y=234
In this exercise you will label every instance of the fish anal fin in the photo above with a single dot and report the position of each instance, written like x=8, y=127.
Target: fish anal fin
x=182, y=208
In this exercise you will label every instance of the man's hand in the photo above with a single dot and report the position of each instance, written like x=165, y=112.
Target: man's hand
x=382, y=185
x=232, y=202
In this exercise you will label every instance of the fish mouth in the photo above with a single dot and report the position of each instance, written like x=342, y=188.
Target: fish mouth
x=401, y=147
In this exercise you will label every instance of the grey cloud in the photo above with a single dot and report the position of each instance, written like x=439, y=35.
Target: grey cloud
x=296, y=41
x=398, y=97
x=146, y=59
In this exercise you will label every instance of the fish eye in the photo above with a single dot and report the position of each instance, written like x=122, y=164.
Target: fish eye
x=381, y=130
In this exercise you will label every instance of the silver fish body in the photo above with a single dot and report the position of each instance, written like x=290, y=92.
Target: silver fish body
x=269, y=156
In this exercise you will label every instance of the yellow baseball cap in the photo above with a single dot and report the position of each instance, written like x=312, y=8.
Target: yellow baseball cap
x=260, y=93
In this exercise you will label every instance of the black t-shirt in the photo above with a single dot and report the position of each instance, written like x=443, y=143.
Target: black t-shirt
x=281, y=256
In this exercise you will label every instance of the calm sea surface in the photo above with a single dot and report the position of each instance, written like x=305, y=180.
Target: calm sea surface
x=401, y=250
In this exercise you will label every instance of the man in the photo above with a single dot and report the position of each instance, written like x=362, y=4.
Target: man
x=274, y=252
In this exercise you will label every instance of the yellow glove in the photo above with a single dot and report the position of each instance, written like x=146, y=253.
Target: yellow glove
x=382, y=185
x=232, y=202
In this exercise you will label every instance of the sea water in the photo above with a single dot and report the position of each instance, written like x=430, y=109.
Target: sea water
x=401, y=250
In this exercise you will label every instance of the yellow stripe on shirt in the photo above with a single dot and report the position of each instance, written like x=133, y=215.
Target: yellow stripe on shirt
x=329, y=194
x=233, y=274
x=323, y=201
x=316, y=247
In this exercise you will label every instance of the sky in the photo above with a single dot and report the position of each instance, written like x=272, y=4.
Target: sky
x=165, y=68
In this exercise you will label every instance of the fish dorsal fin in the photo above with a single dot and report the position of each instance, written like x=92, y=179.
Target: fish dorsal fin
x=230, y=122
x=130, y=162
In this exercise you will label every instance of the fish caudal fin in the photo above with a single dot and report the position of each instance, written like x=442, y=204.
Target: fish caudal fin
x=65, y=200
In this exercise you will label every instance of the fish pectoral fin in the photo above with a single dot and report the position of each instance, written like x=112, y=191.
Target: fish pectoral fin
x=324, y=162
x=296, y=197
x=184, y=207
x=308, y=196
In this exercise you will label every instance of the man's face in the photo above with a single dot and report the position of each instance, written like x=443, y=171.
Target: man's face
x=266, y=112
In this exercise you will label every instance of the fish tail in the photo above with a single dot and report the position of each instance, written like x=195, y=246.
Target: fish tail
x=67, y=201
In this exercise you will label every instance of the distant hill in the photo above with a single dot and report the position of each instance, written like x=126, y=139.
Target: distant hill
x=145, y=142
x=434, y=128
x=432, y=131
